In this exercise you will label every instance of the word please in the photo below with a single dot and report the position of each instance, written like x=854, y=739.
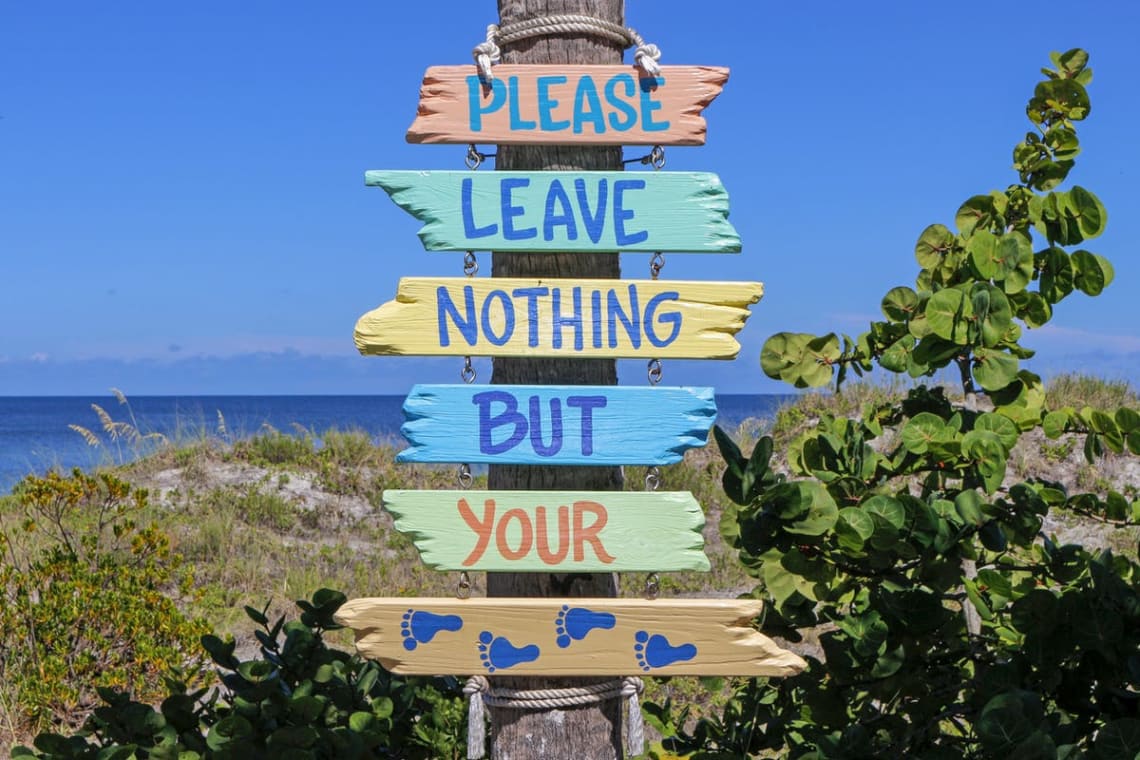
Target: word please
x=534, y=534
x=619, y=104
x=597, y=315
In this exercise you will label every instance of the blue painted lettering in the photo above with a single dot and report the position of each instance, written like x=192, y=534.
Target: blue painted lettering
x=510, y=210
x=469, y=228
x=475, y=108
x=587, y=404
x=632, y=322
x=550, y=220
x=587, y=95
x=446, y=307
x=649, y=105
x=621, y=107
x=502, y=426
x=536, y=441
x=594, y=222
x=531, y=295
x=487, y=423
x=575, y=320
x=517, y=122
x=546, y=104
x=671, y=318
x=621, y=215
x=508, y=309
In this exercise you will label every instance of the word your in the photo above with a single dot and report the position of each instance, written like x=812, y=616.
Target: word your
x=557, y=211
x=511, y=416
x=573, y=532
x=599, y=317
x=620, y=104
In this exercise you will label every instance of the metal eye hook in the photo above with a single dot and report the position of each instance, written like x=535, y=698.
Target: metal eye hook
x=464, y=476
x=655, y=371
x=467, y=374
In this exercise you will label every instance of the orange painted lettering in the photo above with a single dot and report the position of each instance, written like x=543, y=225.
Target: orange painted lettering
x=582, y=534
x=544, y=539
x=482, y=529
x=526, y=540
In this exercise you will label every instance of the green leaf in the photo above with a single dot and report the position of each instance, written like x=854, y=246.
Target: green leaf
x=975, y=212
x=1057, y=276
x=899, y=304
x=1001, y=426
x=821, y=515
x=920, y=430
x=897, y=356
x=969, y=507
x=1118, y=740
x=1088, y=210
x=994, y=369
x=984, y=255
x=1093, y=272
x=998, y=315
x=781, y=352
x=947, y=312
x=889, y=517
x=1127, y=419
x=854, y=528
x=933, y=244
x=1054, y=424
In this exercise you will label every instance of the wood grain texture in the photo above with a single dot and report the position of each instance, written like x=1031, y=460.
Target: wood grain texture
x=566, y=105
x=555, y=424
x=464, y=316
x=555, y=637
x=564, y=211
x=545, y=531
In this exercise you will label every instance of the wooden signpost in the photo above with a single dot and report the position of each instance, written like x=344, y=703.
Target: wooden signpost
x=466, y=316
x=556, y=532
x=555, y=424
x=573, y=637
x=564, y=211
x=572, y=538
x=594, y=105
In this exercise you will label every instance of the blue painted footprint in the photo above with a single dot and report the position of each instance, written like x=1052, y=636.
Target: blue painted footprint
x=420, y=627
x=656, y=652
x=574, y=624
x=499, y=654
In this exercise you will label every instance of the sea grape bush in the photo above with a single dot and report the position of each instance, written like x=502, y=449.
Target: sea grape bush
x=951, y=626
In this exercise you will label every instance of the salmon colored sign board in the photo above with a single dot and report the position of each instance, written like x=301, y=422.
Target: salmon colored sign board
x=467, y=316
x=552, y=531
x=564, y=211
x=566, y=637
x=562, y=105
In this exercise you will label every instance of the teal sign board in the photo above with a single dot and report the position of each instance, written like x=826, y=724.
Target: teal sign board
x=565, y=211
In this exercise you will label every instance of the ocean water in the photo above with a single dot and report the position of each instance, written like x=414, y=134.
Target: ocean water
x=35, y=434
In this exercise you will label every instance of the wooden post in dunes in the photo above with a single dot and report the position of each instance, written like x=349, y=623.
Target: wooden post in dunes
x=590, y=731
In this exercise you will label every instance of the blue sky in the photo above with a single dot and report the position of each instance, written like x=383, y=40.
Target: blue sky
x=182, y=207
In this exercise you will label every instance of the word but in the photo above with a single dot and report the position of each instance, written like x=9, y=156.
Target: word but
x=521, y=424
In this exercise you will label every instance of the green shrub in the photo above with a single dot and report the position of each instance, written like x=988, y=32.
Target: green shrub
x=86, y=599
x=298, y=699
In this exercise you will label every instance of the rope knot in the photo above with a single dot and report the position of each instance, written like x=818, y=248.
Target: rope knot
x=486, y=53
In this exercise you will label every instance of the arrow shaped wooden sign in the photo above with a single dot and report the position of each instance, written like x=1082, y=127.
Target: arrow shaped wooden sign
x=465, y=316
x=552, y=531
x=564, y=104
x=555, y=424
x=564, y=211
x=567, y=637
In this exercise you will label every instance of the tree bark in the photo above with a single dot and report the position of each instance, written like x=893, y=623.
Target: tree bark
x=591, y=731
